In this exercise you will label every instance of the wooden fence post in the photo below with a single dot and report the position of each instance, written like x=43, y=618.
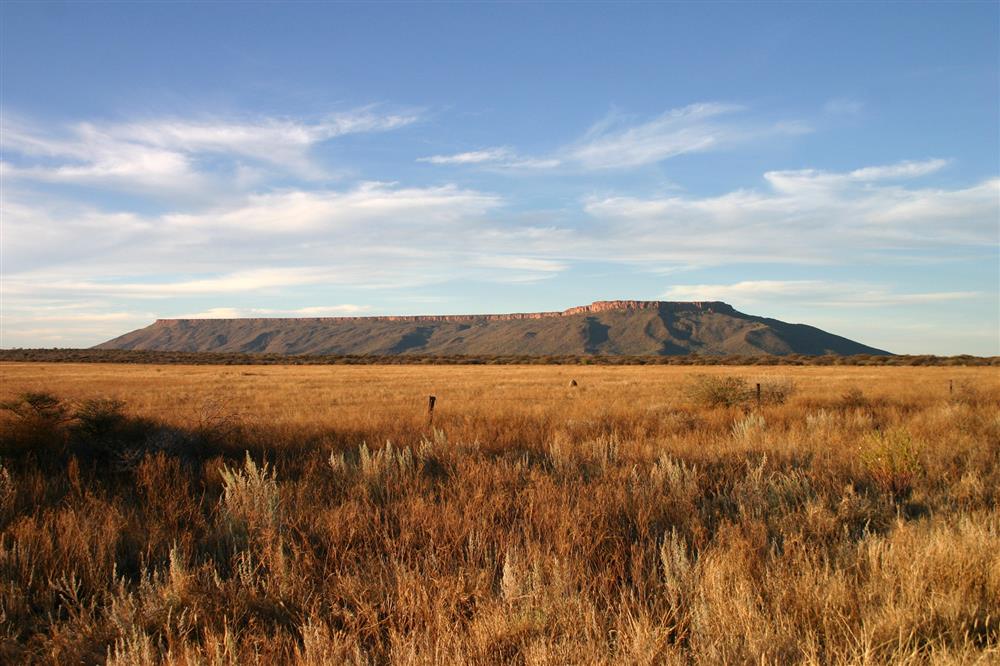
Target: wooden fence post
x=430, y=409
x=758, y=394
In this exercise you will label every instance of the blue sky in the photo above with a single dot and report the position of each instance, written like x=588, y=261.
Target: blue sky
x=836, y=164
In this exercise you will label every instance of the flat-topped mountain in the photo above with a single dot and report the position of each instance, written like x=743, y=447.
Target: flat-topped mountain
x=603, y=327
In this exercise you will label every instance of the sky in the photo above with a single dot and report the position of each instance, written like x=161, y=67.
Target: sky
x=836, y=164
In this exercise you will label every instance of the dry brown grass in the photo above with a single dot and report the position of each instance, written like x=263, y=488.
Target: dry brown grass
x=311, y=515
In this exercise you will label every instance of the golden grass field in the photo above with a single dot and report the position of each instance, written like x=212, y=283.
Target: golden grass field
x=311, y=514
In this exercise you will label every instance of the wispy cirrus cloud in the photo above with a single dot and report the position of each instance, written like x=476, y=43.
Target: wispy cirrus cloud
x=814, y=181
x=485, y=156
x=812, y=292
x=497, y=158
x=619, y=142
x=167, y=153
x=613, y=144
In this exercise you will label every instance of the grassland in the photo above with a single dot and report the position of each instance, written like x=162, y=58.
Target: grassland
x=313, y=515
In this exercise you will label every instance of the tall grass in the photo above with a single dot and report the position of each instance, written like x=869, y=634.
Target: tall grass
x=533, y=524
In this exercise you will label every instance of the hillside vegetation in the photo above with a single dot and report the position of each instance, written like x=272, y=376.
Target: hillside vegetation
x=542, y=515
x=261, y=358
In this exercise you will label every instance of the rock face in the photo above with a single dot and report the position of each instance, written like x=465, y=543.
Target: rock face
x=603, y=327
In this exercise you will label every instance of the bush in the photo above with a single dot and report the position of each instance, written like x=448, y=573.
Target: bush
x=729, y=391
x=250, y=496
x=890, y=458
x=35, y=422
x=37, y=406
x=853, y=398
x=776, y=390
x=718, y=391
x=8, y=493
x=99, y=418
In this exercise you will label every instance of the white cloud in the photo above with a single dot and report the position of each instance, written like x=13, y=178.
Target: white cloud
x=906, y=169
x=613, y=143
x=381, y=235
x=297, y=211
x=501, y=158
x=60, y=323
x=815, y=182
x=472, y=157
x=808, y=216
x=282, y=142
x=811, y=292
x=294, y=227
x=521, y=263
x=376, y=235
x=517, y=268
x=164, y=154
x=685, y=130
x=344, y=310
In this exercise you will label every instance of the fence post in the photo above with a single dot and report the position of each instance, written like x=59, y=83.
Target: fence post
x=758, y=394
x=430, y=409
x=951, y=386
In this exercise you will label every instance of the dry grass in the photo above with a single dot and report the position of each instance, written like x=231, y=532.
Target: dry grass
x=239, y=515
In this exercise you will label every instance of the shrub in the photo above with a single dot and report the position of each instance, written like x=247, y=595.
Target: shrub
x=250, y=496
x=730, y=391
x=718, y=391
x=776, y=390
x=99, y=418
x=37, y=405
x=36, y=423
x=853, y=398
x=890, y=458
x=8, y=493
x=748, y=427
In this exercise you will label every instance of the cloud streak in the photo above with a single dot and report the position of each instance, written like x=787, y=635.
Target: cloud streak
x=384, y=236
x=165, y=153
x=807, y=216
x=614, y=143
x=811, y=292
x=495, y=158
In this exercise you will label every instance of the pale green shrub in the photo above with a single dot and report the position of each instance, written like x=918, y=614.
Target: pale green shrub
x=250, y=495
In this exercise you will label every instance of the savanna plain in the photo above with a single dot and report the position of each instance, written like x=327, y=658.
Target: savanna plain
x=645, y=515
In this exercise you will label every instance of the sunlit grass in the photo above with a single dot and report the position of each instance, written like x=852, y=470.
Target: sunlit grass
x=314, y=515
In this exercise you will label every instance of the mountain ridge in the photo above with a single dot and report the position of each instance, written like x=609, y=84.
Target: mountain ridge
x=617, y=327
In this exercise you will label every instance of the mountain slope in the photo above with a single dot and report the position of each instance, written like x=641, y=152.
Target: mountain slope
x=603, y=327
